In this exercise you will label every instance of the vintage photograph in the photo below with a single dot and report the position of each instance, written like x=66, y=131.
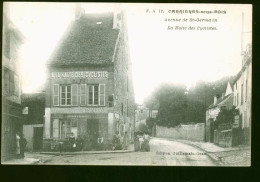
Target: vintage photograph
x=126, y=84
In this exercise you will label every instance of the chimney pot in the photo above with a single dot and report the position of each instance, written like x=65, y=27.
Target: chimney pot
x=215, y=100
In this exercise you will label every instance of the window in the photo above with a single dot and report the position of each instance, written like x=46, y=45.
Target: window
x=237, y=100
x=74, y=94
x=242, y=94
x=55, y=94
x=93, y=94
x=11, y=83
x=65, y=95
x=110, y=100
x=83, y=94
x=7, y=44
x=102, y=94
x=6, y=81
x=11, y=79
x=246, y=92
x=122, y=108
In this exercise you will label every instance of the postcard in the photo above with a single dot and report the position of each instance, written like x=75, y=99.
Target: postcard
x=126, y=84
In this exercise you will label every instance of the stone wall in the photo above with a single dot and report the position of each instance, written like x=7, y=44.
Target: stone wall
x=186, y=132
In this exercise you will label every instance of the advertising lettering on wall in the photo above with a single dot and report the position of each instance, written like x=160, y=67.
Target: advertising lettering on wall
x=80, y=74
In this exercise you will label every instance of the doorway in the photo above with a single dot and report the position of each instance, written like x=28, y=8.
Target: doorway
x=37, y=138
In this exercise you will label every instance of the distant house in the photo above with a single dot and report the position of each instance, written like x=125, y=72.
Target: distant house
x=225, y=100
x=12, y=118
x=33, y=111
x=243, y=92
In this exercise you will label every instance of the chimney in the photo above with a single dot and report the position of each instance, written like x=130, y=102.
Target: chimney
x=215, y=100
x=223, y=95
x=78, y=11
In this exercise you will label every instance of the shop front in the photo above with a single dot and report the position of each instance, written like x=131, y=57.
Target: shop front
x=92, y=125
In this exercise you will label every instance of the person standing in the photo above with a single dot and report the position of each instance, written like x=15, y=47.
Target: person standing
x=23, y=143
x=17, y=145
x=146, y=145
x=136, y=142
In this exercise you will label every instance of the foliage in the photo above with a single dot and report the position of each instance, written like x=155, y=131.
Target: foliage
x=178, y=105
x=226, y=116
x=150, y=122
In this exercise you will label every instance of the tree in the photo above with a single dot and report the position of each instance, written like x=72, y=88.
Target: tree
x=226, y=116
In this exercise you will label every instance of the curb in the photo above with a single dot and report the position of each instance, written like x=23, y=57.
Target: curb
x=87, y=152
x=213, y=156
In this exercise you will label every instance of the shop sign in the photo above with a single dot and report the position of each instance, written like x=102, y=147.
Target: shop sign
x=79, y=110
x=80, y=74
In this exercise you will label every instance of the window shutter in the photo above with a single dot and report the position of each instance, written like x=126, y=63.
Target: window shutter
x=16, y=85
x=83, y=94
x=102, y=94
x=74, y=94
x=55, y=94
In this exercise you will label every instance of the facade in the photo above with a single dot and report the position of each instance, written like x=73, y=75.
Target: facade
x=89, y=87
x=141, y=113
x=213, y=110
x=243, y=92
x=12, y=118
x=33, y=111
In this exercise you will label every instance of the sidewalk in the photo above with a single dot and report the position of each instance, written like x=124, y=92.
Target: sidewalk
x=233, y=156
x=130, y=149
x=24, y=161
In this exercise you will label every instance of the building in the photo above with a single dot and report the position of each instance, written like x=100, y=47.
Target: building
x=226, y=100
x=33, y=111
x=12, y=118
x=243, y=92
x=89, y=87
x=141, y=113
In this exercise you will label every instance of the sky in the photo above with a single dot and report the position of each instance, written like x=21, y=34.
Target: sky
x=157, y=54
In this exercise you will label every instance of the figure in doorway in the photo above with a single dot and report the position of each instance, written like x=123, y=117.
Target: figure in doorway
x=23, y=143
x=17, y=145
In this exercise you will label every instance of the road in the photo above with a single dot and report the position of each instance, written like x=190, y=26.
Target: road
x=163, y=153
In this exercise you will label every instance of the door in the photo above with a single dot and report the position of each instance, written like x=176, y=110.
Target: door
x=37, y=138
x=92, y=127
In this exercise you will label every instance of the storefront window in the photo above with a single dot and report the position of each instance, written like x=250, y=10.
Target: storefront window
x=55, y=128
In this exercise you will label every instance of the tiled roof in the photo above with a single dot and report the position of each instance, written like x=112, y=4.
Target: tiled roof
x=220, y=101
x=89, y=40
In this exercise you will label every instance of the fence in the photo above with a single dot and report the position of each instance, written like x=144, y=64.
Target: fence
x=186, y=132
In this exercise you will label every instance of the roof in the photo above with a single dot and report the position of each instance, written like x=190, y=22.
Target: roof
x=32, y=97
x=219, y=101
x=90, y=40
x=247, y=62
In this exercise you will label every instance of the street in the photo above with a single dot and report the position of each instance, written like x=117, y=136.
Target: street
x=163, y=152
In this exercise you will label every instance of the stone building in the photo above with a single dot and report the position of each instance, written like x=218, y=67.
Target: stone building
x=243, y=92
x=226, y=100
x=12, y=118
x=89, y=87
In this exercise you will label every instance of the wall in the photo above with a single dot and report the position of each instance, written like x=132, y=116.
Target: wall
x=186, y=132
x=124, y=92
